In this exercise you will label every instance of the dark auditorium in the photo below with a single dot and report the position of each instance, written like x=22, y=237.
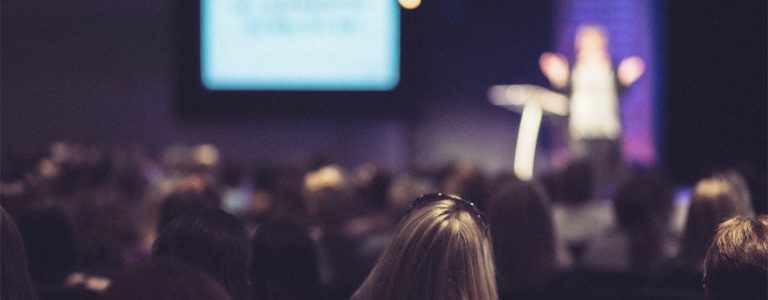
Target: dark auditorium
x=383, y=150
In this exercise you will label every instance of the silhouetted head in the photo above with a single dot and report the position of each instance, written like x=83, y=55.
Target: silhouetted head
x=577, y=182
x=524, y=240
x=643, y=206
x=213, y=241
x=284, y=262
x=714, y=200
x=14, y=276
x=50, y=243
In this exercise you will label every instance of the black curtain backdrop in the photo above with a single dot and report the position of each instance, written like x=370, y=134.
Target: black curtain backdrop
x=714, y=108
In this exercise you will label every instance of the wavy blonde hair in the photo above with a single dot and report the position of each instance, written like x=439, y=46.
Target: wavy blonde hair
x=439, y=252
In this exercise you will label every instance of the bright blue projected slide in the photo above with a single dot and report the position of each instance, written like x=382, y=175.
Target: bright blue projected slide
x=300, y=44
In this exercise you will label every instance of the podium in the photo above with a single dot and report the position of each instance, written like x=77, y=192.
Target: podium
x=532, y=101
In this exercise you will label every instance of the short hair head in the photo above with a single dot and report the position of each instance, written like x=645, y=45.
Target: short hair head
x=213, y=241
x=441, y=250
x=736, y=266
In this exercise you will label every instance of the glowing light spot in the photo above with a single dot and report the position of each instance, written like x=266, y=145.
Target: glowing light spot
x=410, y=4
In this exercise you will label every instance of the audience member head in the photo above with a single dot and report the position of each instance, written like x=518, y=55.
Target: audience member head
x=105, y=228
x=165, y=279
x=284, y=262
x=278, y=194
x=50, y=243
x=404, y=189
x=213, y=241
x=232, y=173
x=643, y=206
x=14, y=276
x=191, y=194
x=371, y=185
x=736, y=266
x=441, y=250
x=577, y=183
x=326, y=196
x=176, y=205
x=714, y=200
x=468, y=181
x=524, y=240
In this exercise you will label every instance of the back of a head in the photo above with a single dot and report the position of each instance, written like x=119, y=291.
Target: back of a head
x=643, y=206
x=577, y=183
x=213, y=241
x=50, y=243
x=736, y=266
x=15, y=283
x=326, y=193
x=439, y=252
x=644, y=202
x=165, y=279
x=524, y=244
x=714, y=200
x=284, y=262
x=468, y=181
x=177, y=204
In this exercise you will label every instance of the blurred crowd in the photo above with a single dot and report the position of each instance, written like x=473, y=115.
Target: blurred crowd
x=183, y=222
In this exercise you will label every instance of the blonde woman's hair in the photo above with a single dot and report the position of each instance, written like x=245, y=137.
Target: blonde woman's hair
x=439, y=252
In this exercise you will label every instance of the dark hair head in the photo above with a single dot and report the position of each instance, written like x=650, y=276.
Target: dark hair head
x=372, y=185
x=179, y=204
x=644, y=202
x=50, y=243
x=714, y=200
x=577, y=182
x=14, y=276
x=524, y=240
x=736, y=266
x=213, y=241
x=284, y=262
x=165, y=279
x=642, y=207
x=468, y=181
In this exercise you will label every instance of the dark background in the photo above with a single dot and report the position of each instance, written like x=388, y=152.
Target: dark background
x=715, y=107
x=105, y=72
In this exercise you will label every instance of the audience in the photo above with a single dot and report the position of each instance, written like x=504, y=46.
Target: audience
x=736, y=266
x=86, y=216
x=441, y=250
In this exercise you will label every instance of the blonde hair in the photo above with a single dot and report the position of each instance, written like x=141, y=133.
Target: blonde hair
x=439, y=252
x=736, y=266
